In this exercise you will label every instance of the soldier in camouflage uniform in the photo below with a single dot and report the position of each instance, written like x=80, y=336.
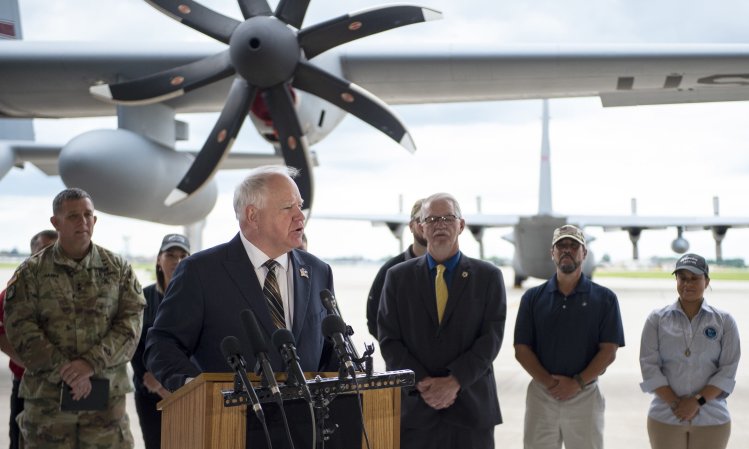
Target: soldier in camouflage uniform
x=74, y=311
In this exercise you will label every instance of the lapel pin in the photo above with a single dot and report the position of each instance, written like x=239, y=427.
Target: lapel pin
x=303, y=273
x=464, y=274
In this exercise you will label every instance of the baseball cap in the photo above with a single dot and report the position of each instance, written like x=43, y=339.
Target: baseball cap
x=175, y=240
x=692, y=262
x=568, y=232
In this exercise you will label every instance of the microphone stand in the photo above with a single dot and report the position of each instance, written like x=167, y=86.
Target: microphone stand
x=331, y=305
x=260, y=369
x=230, y=349
x=260, y=349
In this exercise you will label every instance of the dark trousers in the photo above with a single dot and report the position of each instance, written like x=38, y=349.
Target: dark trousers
x=149, y=418
x=447, y=436
x=16, y=407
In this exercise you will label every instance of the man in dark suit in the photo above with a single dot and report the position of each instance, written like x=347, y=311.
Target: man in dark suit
x=443, y=317
x=417, y=249
x=210, y=288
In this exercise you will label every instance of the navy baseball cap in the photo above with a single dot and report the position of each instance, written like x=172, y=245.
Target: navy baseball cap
x=692, y=262
x=175, y=241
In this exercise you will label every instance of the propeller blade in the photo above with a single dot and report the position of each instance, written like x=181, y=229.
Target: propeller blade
x=169, y=83
x=292, y=12
x=252, y=8
x=293, y=142
x=332, y=33
x=352, y=99
x=198, y=17
x=219, y=142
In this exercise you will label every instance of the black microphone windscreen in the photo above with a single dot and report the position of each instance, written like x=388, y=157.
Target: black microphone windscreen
x=327, y=301
x=332, y=324
x=282, y=337
x=257, y=340
x=230, y=346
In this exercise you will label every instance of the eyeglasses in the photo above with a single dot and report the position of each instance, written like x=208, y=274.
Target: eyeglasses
x=443, y=219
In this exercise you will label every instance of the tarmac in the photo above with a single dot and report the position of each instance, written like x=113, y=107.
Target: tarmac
x=626, y=405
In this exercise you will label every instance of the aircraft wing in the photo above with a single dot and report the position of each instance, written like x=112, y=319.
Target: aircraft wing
x=484, y=220
x=491, y=220
x=44, y=157
x=618, y=74
x=614, y=223
x=376, y=219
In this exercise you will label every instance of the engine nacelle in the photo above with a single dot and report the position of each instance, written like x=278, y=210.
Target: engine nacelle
x=317, y=117
x=129, y=175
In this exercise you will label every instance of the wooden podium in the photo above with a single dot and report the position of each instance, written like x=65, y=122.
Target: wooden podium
x=194, y=417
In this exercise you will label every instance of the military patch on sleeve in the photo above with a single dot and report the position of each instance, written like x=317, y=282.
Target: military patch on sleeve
x=136, y=285
x=10, y=289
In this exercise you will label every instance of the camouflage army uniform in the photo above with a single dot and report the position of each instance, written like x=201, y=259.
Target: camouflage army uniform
x=56, y=310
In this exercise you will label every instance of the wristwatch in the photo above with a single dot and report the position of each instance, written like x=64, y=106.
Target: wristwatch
x=579, y=379
x=700, y=399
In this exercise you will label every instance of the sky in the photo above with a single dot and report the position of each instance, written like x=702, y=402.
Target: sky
x=673, y=159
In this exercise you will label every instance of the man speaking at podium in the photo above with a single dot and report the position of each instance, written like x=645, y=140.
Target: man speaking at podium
x=443, y=316
x=259, y=269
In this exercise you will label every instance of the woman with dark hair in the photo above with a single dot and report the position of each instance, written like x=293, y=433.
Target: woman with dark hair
x=148, y=390
x=689, y=355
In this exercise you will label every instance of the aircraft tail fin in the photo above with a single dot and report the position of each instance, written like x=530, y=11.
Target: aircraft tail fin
x=10, y=20
x=544, y=182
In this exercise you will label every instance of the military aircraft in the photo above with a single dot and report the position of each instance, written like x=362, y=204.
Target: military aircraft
x=531, y=235
x=304, y=92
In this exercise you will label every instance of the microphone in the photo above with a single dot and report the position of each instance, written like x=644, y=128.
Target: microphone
x=329, y=302
x=333, y=327
x=331, y=305
x=260, y=350
x=233, y=354
x=283, y=340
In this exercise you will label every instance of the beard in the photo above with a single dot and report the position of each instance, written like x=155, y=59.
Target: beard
x=421, y=240
x=567, y=265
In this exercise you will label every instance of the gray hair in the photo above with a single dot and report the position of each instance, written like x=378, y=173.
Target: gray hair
x=73, y=193
x=440, y=196
x=254, y=189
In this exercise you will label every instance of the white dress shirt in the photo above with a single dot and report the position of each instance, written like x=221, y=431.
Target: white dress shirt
x=283, y=272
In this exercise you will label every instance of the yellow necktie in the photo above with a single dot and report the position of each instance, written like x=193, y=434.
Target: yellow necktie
x=440, y=288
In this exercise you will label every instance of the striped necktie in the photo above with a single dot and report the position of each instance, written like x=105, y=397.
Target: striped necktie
x=273, y=294
x=440, y=288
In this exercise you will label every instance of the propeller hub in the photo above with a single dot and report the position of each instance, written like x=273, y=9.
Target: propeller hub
x=264, y=51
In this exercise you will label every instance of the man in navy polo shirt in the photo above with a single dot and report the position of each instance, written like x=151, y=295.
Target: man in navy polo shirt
x=567, y=332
